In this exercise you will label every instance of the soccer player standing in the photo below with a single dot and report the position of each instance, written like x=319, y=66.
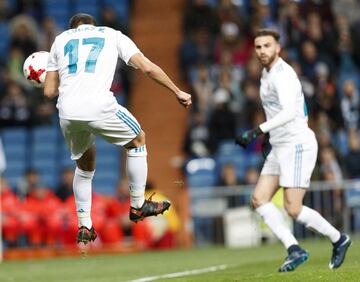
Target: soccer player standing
x=80, y=70
x=292, y=158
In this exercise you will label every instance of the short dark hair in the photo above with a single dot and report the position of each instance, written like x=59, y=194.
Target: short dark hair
x=81, y=18
x=268, y=32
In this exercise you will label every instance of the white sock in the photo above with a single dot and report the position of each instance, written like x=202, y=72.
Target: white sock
x=313, y=220
x=82, y=193
x=275, y=220
x=137, y=174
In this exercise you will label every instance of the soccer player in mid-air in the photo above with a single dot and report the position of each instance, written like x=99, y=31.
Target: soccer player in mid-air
x=80, y=70
x=292, y=157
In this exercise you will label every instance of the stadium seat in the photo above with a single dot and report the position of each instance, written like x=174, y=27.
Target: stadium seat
x=107, y=174
x=16, y=152
x=121, y=7
x=87, y=6
x=44, y=154
x=5, y=37
x=201, y=173
x=15, y=135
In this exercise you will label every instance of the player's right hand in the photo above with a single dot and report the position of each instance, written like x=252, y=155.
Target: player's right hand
x=184, y=99
x=245, y=138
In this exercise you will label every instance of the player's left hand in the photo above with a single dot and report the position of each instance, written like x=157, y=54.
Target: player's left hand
x=245, y=138
x=184, y=99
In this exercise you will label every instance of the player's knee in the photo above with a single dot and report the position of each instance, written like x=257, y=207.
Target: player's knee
x=293, y=210
x=257, y=201
x=137, y=142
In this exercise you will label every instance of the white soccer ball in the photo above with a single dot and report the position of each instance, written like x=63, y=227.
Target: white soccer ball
x=34, y=68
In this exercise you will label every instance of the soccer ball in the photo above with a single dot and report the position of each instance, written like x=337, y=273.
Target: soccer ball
x=34, y=68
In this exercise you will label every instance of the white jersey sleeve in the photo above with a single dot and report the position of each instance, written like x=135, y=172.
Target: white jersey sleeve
x=126, y=48
x=52, y=61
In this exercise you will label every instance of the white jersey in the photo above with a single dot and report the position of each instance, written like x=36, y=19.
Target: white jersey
x=86, y=58
x=284, y=105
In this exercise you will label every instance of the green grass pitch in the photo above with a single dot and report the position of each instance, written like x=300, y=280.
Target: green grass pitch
x=252, y=264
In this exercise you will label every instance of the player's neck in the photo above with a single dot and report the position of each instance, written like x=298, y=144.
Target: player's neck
x=273, y=63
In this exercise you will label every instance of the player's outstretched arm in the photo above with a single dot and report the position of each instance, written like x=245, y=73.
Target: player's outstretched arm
x=51, y=86
x=158, y=75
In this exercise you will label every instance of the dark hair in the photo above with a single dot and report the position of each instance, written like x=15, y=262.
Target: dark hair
x=81, y=18
x=268, y=32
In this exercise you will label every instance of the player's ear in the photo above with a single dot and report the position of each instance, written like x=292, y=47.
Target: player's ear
x=278, y=48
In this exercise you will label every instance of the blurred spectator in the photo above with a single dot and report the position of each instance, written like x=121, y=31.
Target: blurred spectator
x=2, y=158
x=65, y=188
x=332, y=173
x=322, y=37
x=322, y=7
x=14, y=107
x=330, y=167
x=222, y=121
x=348, y=9
x=294, y=25
x=195, y=49
x=118, y=226
x=251, y=176
x=43, y=109
x=327, y=99
x=5, y=11
x=14, y=64
x=203, y=88
x=110, y=19
x=350, y=104
x=352, y=159
x=228, y=178
x=28, y=183
x=49, y=31
x=234, y=41
x=41, y=206
x=24, y=34
x=196, y=143
x=309, y=59
x=10, y=212
x=199, y=15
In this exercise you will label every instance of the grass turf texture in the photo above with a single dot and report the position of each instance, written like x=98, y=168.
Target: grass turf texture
x=253, y=264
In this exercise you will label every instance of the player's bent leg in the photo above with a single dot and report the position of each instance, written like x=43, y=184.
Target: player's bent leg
x=261, y=200
x=137, y=174
x=264, y=191
x=82, y=184
x=314, y=221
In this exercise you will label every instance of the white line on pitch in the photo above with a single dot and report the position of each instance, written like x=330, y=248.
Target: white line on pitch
x=183, y=273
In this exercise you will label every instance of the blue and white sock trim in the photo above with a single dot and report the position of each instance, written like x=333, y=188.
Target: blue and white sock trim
x=138, y=152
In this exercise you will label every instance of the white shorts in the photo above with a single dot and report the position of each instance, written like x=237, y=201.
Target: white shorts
x=119, y=129
x=293, y=163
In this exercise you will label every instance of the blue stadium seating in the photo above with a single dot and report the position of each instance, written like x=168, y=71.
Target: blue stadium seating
x=43, y=154
x=15, y=148
x=86, y=6
x=121, y=8
x=59, y=10
x=201, y=173
x=5, y=37
x=107, y=167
